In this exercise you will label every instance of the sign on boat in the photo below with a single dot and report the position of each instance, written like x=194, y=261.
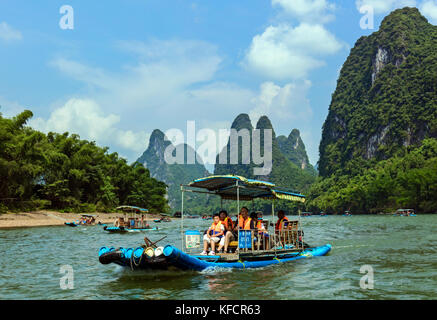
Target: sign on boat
x=253, y=249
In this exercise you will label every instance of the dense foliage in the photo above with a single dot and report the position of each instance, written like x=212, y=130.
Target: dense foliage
x=400, y=182
x=386, y=96
x=63, y=172
x=382, y=111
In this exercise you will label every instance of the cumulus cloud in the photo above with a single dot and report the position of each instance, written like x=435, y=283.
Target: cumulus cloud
x=286, y=52
x=7, y=33
x=285, y=103
x=86, y=118
x=429, y=10
x=318, y=11
x=385, y=6
x=171, y=83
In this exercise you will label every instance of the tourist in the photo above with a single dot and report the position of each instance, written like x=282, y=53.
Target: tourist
x=281, y=219
x=214, y=235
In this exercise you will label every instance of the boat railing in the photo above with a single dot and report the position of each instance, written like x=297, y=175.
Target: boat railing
x=289, y=238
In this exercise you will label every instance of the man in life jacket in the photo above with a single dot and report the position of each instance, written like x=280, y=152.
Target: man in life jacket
x=281, y=218
x=243, y=223
x=215, y=234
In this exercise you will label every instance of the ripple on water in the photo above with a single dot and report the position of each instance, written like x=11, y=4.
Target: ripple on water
x=400, y=251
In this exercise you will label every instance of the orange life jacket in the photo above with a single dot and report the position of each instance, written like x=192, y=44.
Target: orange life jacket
x=228, y=223
x=246, y=223
x=216, y=228
x=259, y=225
x=279, y=223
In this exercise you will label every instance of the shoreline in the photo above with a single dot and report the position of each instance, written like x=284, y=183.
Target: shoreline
x=44, y=218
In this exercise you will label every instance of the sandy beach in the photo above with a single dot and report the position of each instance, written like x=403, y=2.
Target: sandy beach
x=53, y=218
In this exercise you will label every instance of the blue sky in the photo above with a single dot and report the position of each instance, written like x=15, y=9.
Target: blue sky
x=131, y=66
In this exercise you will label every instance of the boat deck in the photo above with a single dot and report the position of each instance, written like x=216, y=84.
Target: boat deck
x=249, y=256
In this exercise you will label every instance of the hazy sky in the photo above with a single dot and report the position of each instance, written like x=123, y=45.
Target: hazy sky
x=131, y=66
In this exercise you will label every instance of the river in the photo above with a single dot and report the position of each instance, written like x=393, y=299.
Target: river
x=401, y=251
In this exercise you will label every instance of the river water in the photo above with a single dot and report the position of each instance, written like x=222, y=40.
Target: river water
x=402, y=251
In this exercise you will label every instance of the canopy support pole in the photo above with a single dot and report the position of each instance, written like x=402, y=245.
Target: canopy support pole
x=182, y=220
x=274, y=226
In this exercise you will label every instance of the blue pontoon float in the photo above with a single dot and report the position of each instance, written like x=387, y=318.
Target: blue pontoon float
x=252, y=250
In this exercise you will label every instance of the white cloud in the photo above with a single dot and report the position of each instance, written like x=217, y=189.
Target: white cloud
x=283, y=52
x=10, y=109
x=317, y=11
x=166, y=69
x=429, y=10
x=385, y=6
x=282, y=104
x=7, y=33
x=86, y=118
x=171, y=84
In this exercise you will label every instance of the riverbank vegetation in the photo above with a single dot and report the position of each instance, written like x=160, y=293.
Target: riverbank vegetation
x=63, y=172
x=408, y=181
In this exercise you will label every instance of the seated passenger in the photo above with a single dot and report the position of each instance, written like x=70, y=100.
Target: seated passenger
x=243, y=223
x=281, y=219
x=262, y=231
x=226, y=221
x=215, y=234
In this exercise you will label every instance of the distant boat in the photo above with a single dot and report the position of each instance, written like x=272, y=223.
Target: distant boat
x=405, y=213
x=130, y=224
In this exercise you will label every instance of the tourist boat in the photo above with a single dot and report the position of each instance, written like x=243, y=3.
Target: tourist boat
x=307, y=214
x=405, y=213
x=347, y=214
x=250, y=251
x=84, y=221
x=130, y=223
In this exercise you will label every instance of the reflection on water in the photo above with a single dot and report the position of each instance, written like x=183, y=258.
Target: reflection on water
x=400, y=249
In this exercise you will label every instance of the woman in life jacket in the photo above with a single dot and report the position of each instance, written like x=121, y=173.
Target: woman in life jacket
x=214, y=235
x=226, y=221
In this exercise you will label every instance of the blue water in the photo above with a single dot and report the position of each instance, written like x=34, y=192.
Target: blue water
x=401, y=250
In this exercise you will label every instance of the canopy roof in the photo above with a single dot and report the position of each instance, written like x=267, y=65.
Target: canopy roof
x=248, y=189
x=132, y=208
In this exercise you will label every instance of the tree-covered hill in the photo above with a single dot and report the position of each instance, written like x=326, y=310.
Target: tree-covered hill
x=377, y=151
x=284, y=173
x=175, y=174
x=386, y=96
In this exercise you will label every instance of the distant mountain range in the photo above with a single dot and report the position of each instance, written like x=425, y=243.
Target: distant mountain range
x=291, y=168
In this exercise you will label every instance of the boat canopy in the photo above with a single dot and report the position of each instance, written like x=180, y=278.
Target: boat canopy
x=133, y=208
x=89, y=215
x=226, y=186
